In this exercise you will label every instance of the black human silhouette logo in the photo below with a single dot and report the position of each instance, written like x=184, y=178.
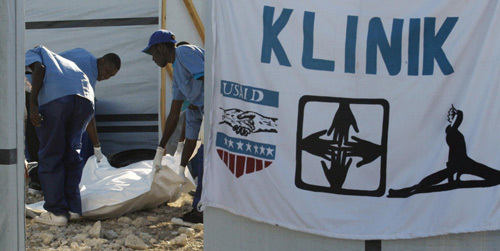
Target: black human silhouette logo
x=247, y=122
x=459, y=163
x=330, y=152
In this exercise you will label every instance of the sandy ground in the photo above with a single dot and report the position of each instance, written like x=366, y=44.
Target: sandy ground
x=144, y=230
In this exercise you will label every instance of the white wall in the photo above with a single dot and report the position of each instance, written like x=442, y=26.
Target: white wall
x=225, y=231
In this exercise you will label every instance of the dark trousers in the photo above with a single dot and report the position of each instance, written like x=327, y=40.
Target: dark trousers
x=197, y=165
x=32, y=142
x=87, y=147
x=60, y=165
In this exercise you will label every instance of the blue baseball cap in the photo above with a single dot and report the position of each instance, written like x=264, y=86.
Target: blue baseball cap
x=160, y=36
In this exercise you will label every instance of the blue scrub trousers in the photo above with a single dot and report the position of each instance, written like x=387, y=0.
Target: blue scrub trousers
x=193, y=122
x=87, y=147
x=197, y=165
x=60, y=165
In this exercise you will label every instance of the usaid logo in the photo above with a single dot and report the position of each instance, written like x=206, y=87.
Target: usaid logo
x=243, y=156
x=240, y=155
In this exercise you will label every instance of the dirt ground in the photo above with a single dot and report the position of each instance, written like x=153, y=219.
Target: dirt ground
x=144, y=230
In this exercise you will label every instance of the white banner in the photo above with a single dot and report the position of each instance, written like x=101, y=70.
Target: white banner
x=357, y=119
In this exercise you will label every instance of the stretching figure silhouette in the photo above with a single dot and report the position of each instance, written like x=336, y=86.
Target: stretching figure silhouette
x=459, y=163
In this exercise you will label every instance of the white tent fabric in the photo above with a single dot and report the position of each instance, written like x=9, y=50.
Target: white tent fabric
x=122, y=27
x=127, y=104
x=335, y=118
x=11, y=125
x=109, y=192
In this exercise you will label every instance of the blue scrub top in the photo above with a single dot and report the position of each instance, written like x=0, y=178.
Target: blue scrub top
x=62, y=76
x=85, y=61
x=189, y=66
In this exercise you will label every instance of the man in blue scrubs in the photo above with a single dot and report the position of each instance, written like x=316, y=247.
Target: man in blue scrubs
x=61, y=105
x=189, y=69
x=96, y=69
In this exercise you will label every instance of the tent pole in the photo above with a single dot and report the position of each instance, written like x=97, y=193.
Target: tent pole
x=196, y=19
x=163, y=84
x=163, y=71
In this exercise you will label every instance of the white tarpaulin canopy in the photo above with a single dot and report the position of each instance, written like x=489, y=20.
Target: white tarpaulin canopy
x=358, y=120
x=127, y=104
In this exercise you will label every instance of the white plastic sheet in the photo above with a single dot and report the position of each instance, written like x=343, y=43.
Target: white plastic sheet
x=109, y=192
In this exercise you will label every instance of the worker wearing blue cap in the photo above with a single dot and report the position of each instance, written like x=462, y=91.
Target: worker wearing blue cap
x=188, y=76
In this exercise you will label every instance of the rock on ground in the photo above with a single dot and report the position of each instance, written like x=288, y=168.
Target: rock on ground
x=144, y=230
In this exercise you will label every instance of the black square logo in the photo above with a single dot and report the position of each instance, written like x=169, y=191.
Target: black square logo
x=342, y=145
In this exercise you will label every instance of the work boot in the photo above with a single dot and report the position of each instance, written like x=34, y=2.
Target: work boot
x=194, y=217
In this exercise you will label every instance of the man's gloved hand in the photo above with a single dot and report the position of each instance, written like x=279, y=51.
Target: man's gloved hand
x=182, y=169
x=98, y=153
x=158, y=157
